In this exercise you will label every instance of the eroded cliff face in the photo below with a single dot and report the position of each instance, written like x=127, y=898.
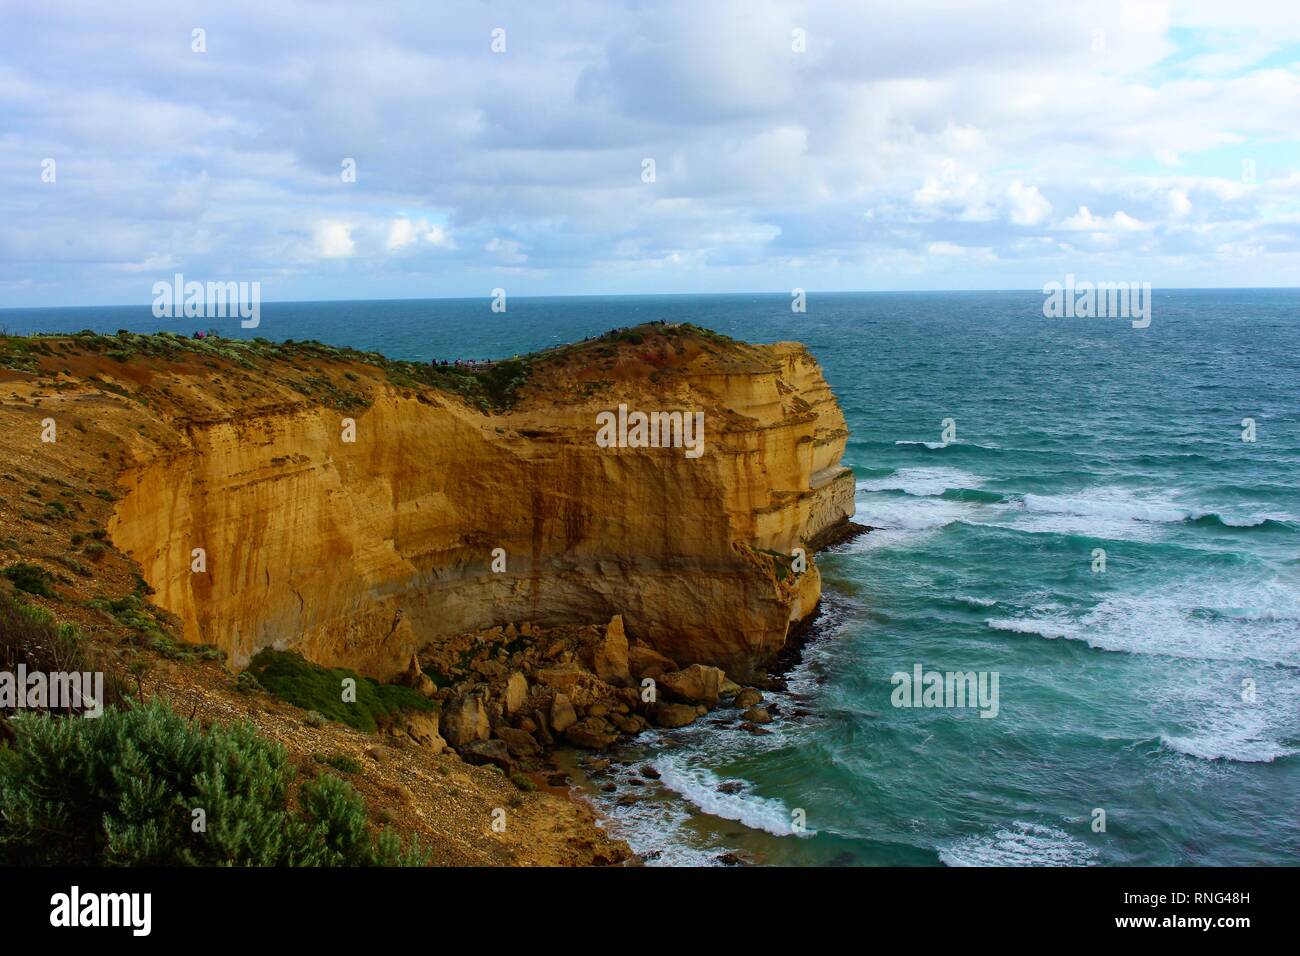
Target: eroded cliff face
x=359, y=553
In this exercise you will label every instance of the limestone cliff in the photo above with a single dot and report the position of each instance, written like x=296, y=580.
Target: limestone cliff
x=359, y=552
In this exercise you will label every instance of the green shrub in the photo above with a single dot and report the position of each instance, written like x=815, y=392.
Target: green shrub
x=246, y=683
x=30, y=578
x=291, y=677
x=130, y=611
x=344, y=763
x=122, y=790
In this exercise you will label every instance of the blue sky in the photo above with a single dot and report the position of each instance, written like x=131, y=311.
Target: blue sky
x=926, y=145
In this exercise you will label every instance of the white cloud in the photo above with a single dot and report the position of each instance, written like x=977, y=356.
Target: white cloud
x=333, y=240
x=952, y=250
x=403, y=232
x=1085, y=221
x=1027, y=205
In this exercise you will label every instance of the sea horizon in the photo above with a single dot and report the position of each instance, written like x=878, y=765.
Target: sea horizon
x=782, y=293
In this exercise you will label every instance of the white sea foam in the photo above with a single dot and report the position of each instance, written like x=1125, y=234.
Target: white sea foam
x=903, y=522
x=1251, y=520
x=1215, y=721
x=1199, y=619
x=1039, y=626
x=936, y=445
x=656, y=830
x=1109, y=503
x=922, y=481
x=1217, y=746
x=976, y=601
x=1114, y=513
x=1119, y=513
x=699, y=787
x=1222, y=632
x=1020, y=844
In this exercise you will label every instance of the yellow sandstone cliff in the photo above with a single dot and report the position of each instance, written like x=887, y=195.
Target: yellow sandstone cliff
x=360, y=552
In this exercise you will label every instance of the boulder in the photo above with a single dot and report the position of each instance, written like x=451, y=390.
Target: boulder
x=516, y=693
x=609, y=654
x=756, y=715
x=645, y=661
x=464, y=720
x=415, y=678
x=423, y=729
x=591, y=732
x=630, y=697
x=697, y=684
x=543, y=728
x=520, y=743
x=575, y=682
x=563, y=716
x=492, y=752
x=748, y=698
x=560, y=677
x=491, y=670
x=674, y=715
x=629, y=723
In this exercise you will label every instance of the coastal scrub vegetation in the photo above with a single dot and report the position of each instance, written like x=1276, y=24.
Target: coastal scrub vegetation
x=31, y=578
x=488, y=386
x=30, y=636
x=141, y=786
x=291, y=677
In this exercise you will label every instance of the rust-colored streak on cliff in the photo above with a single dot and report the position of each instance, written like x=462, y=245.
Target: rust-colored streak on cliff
x=359, y=554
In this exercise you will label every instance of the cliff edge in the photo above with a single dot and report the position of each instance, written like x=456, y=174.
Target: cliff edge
x=358, y=510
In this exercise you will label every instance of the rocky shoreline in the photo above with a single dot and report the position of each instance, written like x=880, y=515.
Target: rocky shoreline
x=552, y=704
x=509, y=696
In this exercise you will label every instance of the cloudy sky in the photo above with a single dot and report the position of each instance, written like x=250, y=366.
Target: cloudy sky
x=822, y=145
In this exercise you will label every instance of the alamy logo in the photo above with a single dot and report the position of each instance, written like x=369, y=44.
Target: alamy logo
x=61, y=690
x=212, y=300
x=923, y=688
x=652, y=430
x=1098, y=300
x=103, y=909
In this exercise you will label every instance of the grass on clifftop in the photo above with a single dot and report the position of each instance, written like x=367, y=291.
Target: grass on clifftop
x=292, y=678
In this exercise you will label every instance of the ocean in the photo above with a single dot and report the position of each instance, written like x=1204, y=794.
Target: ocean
x=1158, y=693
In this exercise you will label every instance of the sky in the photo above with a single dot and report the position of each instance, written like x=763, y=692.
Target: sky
x=335, y=150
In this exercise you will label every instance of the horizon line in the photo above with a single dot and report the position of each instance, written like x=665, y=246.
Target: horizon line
x=650, y=295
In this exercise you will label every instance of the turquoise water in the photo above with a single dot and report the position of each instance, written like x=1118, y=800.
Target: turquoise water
x=1119, y=690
